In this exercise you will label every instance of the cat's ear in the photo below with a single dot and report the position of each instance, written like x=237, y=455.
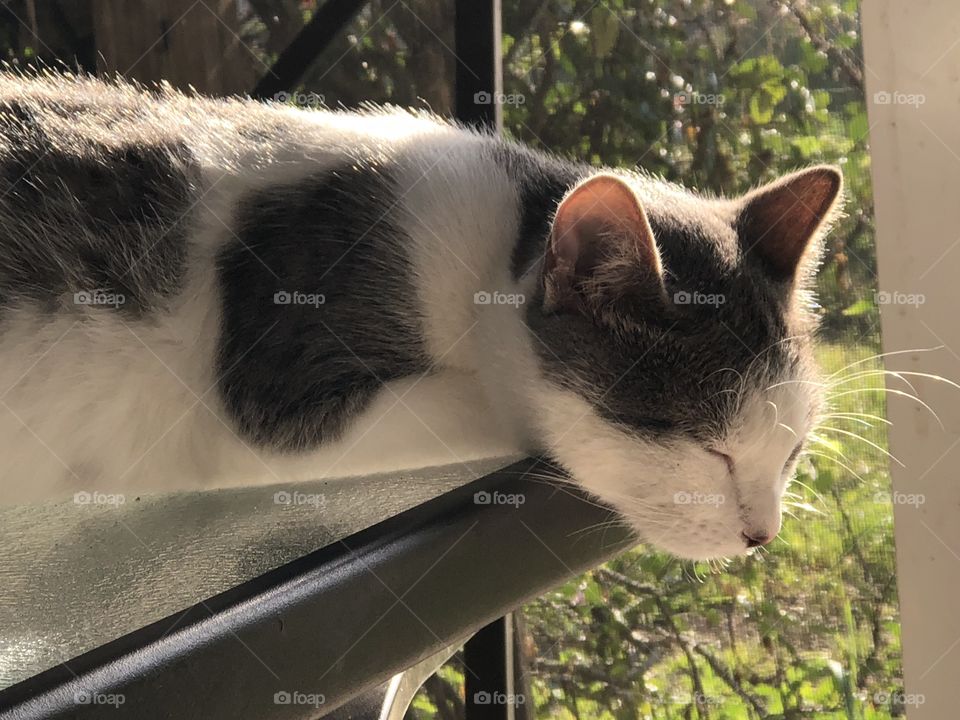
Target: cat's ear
x=781, y=222
x=600, y=241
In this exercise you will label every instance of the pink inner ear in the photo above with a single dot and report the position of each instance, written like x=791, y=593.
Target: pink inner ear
x=601, y=211
x=779, y=221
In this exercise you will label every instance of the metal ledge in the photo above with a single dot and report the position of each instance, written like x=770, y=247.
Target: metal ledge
x=344, y=618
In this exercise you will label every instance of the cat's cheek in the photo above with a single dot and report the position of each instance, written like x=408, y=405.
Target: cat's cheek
x=692, y=511
x=673, y=494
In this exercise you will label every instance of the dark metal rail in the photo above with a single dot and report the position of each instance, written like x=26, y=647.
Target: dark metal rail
x=344, y=618
x=329, y=19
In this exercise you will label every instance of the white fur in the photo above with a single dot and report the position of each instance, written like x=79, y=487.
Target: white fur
x=681, y=497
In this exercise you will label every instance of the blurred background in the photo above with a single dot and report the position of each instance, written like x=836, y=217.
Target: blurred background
x=720, y=95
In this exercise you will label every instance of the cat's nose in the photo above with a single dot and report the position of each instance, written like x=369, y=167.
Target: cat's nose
x=756, y=538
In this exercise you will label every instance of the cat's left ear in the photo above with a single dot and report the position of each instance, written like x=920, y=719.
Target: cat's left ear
x=600, y=243
x=781, y=222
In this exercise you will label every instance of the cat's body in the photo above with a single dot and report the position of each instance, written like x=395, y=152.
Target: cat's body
x=127, y=398
x=200, y=293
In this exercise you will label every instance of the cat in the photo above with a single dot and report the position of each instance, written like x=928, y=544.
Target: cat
x=197, y=293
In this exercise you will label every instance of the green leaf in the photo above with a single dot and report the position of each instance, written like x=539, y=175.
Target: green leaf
x=861, y=307
x=808, y=146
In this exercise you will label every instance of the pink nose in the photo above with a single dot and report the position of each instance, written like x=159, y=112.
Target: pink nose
x=756, y=538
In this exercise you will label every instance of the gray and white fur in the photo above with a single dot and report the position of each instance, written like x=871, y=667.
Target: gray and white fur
x=198, y=293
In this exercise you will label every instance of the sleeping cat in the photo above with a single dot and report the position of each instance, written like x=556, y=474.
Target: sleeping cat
x=199, y=293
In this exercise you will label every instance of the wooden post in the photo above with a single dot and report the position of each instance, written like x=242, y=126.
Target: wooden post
x=184, y=42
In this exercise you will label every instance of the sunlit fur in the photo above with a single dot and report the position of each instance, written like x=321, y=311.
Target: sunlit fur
x=94, y=400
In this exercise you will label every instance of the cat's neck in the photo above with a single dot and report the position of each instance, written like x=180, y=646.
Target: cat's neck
x=475, y=252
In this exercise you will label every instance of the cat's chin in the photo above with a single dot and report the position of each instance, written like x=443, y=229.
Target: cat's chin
x=698, y=550
x=691, y=533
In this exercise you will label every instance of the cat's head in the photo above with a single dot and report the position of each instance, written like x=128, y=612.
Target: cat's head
x=675, y=334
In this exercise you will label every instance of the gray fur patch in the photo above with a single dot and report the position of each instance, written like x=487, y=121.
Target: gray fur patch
x=88, y=223
x=542, y=181
x=318, y=307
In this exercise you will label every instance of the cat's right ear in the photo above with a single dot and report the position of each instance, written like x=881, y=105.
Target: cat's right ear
x=782, y=223
x=600, y=240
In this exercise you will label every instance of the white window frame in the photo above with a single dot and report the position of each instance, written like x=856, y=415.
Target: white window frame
x=914, y=49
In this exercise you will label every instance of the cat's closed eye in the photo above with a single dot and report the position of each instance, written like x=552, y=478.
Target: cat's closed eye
x=725, y=457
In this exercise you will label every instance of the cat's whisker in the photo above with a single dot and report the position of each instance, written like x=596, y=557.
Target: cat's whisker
x=720, y=565
x=855, y=417
x=789, y=429
x=776, y=410
x=817, y=495
x=877, y=372
x=604, y=525
x=858, y=421
x=863, y=439
x=878, y=418
x=806, y=507
x=815, y=383
x=891, y=391
x=879, y=356
x=817, y=440
x=840, y=464
x=899, y=374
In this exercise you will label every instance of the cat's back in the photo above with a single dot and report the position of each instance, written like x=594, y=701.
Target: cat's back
x=82, y=116
x=101, y=182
